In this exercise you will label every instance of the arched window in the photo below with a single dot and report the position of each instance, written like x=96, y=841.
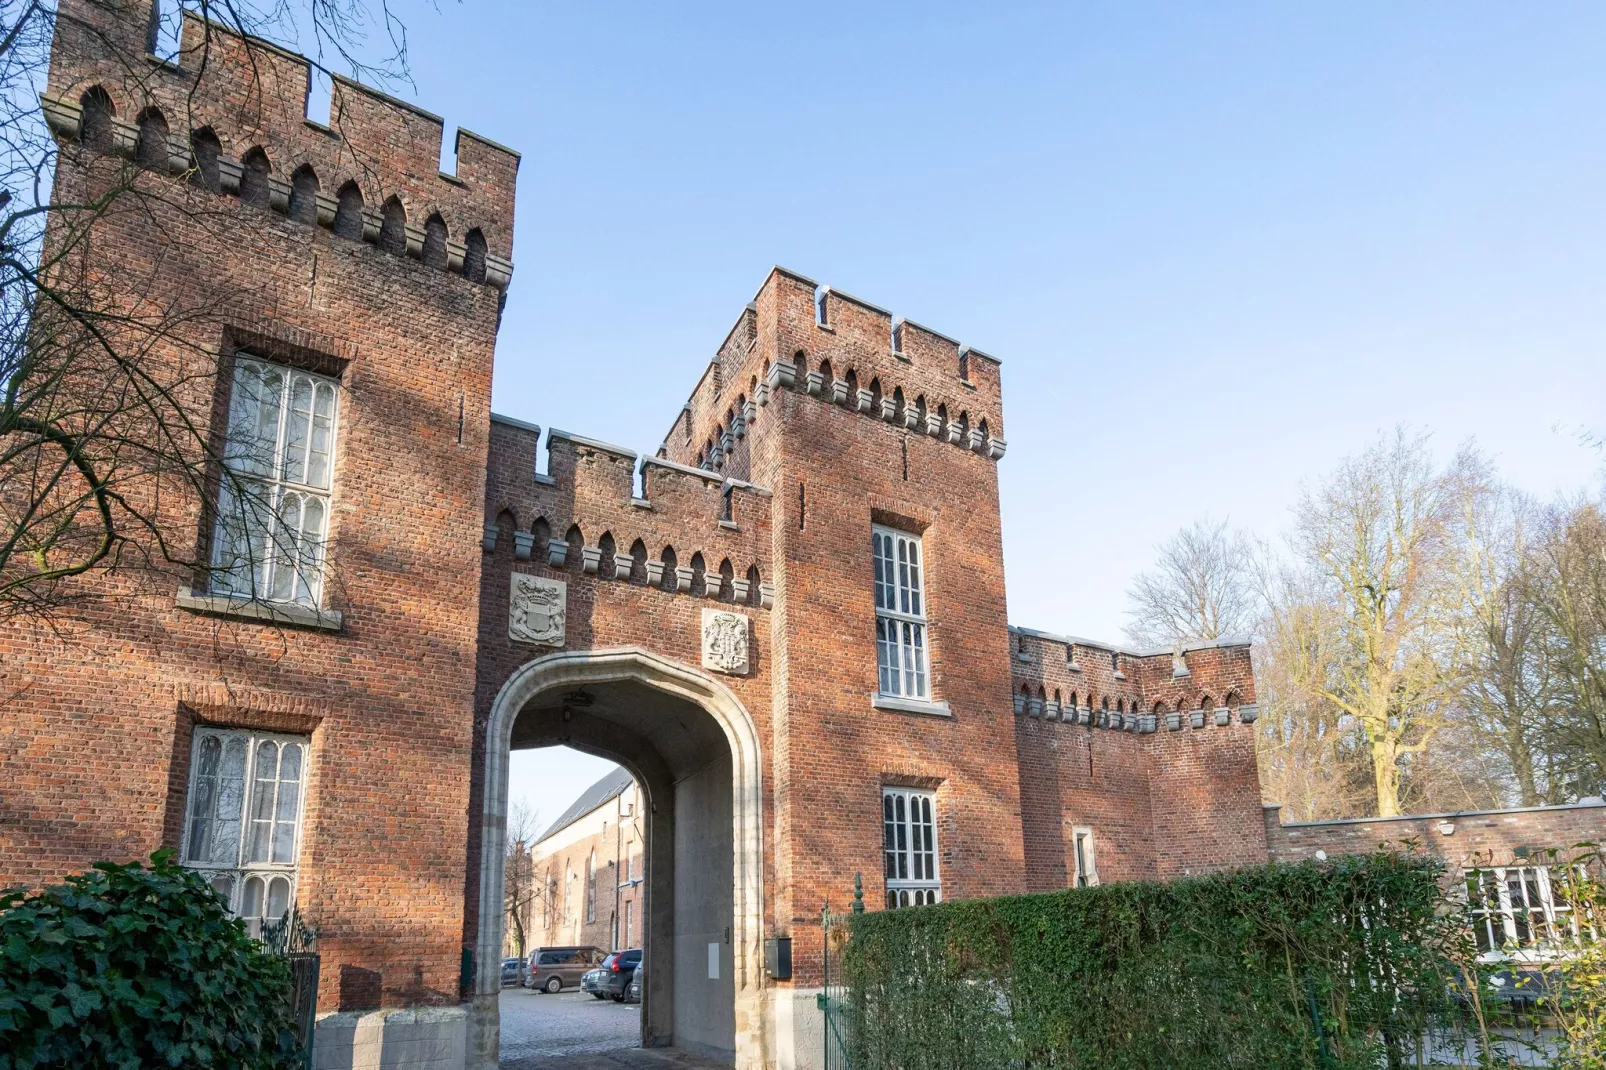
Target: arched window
x=699, y=578
x=204, y=146
x=540, y=536
x=151, y=149
x=95, y=129
x=591, y=886
x=671, y=579
x=897, y=403
x=982, y=427
x=393, y=227
x=942, y=420
x=605, y=565
x=348, y=212
x=435, y=241
x=254, y=179
x=754, y=597
x=304, y=195
x=576, y=540
x=474, y=256
x=727, y=589
x=638, y=562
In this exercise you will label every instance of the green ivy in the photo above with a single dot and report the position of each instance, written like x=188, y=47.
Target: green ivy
x=128, y=967
x=1331, y=966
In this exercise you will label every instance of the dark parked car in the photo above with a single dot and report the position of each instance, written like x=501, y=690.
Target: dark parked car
x=553, y=969
x=637, y=979
x=613, y=976
x=511, y=972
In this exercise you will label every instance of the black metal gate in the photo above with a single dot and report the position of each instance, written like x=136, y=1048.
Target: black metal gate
x=834, y=992
x=297, y=945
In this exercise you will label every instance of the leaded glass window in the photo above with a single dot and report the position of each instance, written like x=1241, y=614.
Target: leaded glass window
x=900, y=614
x=909, y=847
x=273, y=502
x=243, y=819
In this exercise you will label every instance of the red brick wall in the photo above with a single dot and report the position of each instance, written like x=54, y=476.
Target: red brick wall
x=1486, y=836
x=95, y=743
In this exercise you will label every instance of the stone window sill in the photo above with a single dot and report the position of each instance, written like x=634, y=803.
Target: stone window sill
x=222, y=605
x=899, y=704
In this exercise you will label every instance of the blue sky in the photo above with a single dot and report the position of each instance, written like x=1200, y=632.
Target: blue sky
x=1216, y=246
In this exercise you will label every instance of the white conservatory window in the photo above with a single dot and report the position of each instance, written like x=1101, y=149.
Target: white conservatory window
x=273, y=504
x=909, y=839
x=243, y=818
x=1519, y=912
x=900, y=606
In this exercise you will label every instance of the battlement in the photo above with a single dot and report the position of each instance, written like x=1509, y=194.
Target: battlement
x=1086, y=682
x=232, y=112
x=827, y=344
x=687, y=531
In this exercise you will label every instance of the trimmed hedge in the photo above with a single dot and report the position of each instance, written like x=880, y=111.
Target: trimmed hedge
x=131, y=967
x=1227, y=971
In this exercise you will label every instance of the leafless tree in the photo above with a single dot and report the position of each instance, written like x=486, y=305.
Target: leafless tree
x=1569, y=565
x=522, y=888
x=1201, y=588
x=105, y=443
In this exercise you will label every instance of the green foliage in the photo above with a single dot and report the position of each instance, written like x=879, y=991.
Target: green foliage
x=1225, y=971
x=131, y=967
x=1577, y=1006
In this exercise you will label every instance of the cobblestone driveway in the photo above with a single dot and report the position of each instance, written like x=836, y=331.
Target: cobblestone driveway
x=573, y=1031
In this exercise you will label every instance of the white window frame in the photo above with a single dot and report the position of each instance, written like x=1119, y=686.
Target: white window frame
x=903, y=630
x=591, y=887
x=909, y=858
x=1522, y=921
x=1083, y=858
x=233, y=878
x=252, y=554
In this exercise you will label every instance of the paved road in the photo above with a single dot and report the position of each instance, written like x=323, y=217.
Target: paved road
x=571, y=1022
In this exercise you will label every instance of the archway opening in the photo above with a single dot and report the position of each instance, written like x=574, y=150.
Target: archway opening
x=691, y=750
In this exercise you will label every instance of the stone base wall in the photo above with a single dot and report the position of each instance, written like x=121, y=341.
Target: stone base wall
x=432, y=1038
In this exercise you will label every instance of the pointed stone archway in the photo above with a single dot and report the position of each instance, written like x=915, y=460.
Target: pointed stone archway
x=697, y=711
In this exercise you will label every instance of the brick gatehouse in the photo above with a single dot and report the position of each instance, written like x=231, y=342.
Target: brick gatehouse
x=788, y=624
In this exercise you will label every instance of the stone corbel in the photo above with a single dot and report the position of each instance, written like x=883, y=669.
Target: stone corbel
x=590, y=558
x=1146, y=724
x=229, y=173
x=498, y=271
x=761, y=393
x=415, y=240
x=978, y=442
x=371, y=223
x=1173, y=721
x=911, y=418
x=749, y=411
x=865, y=400
x=933, y=425
x=1082, y=716
x=327, y=207
x=557, y=552
x=889, y=410
x=455, y=251
x=655, y=573
x=955, y=432
x=766, y=595
x=996, y=448
x=782, y=375
x=178, y=155
x=716, y=457
x=622, y=564
x=1051, y=710
x=726, y=443
x=839, y=391
x=683, y=577
x=1196, y=718
x=739, y=588
x=1020, y=703
x=814, y=383
x=1248, y=714
x=125, y=137
x=488, y=539
x=1034, y=707
x=1133, y=723
x=523, y=542
x=64, y=117
x=279, y=194
x=1223, y=716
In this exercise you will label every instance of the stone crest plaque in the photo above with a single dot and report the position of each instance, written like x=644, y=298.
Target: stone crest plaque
x=536, y=610
x=725, y=641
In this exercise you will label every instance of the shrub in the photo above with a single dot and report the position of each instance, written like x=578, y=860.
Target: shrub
x=1327, y=965
x=128, y=966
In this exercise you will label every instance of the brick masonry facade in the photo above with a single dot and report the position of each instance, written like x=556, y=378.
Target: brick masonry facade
x=565, y=912
x=819, y=416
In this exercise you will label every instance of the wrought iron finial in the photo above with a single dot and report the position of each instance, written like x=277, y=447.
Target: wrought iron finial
x=858, y=893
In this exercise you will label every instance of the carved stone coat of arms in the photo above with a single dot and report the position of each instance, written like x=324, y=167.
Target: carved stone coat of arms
x=536, y=610
x=725, y=641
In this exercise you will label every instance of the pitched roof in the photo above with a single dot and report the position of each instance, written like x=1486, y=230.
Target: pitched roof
x=608, y=788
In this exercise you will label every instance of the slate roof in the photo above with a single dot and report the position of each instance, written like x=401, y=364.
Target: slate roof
x=609, y=787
